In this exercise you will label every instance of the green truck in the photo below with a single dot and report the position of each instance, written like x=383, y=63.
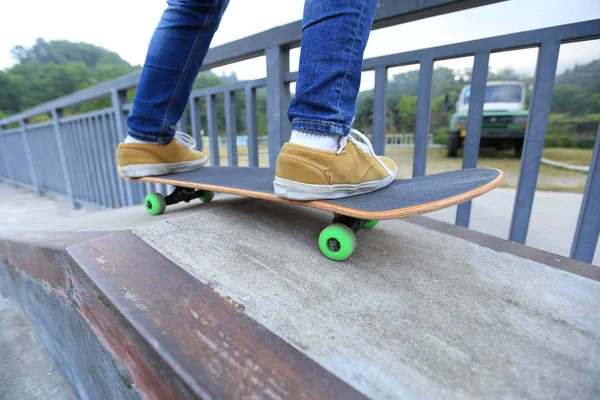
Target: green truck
x=504, y=118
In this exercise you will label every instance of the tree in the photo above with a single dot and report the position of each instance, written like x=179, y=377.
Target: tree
x=53, y=69
x=363, y=120
x=64, y=52
x=407, y=113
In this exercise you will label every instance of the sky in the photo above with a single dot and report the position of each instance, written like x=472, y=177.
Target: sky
x=125, y=26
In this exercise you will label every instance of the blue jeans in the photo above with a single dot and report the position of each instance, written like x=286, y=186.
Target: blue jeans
x=334, y=36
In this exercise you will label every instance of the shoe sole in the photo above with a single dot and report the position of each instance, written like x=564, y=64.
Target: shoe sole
x=141, y=170
x=293, y=190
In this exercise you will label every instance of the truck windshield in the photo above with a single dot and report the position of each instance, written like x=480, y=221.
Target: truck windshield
x=498, y=94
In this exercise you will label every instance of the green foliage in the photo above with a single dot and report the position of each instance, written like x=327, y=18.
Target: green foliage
x=576, y=99
x=53, y=69
x=407, y=113
x=441, y=136
x=580, y=74
x=565, y=130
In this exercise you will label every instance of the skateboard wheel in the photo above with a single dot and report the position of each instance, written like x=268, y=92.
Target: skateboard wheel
x=369, y=224
x=155, y=203
x=208, y=196
x=337, y=242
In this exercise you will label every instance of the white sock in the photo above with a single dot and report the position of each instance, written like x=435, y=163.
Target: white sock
x=323, y=141
x=130, y=139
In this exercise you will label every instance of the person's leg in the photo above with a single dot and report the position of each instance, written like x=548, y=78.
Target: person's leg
x=334, y=37
x=319, y=161
x=175, y=54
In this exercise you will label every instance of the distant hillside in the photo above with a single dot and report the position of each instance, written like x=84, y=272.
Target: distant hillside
x=48, y=70
x=63, y=52
x=587, y=74
x=577, y=90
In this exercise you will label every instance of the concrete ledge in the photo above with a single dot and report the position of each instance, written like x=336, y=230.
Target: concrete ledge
x=413, y=313
x=530, y=253
x=218, y=303
x=122, y=321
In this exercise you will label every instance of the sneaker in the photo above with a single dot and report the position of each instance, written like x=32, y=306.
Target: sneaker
x=306, y=173
x=136, y=160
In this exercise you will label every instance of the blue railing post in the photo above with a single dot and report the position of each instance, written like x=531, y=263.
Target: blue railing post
x=195, y=121
x=29, y=158
x=63, y=157
x=423, y=117
x=474, y=124
x=535, y=136
x=213, y=134
x=231, y=129
x=380, y=110
x=118, y=98
x=251, y=126
x=278, y=99
x=586, y=235
x=7, y=166
x=181, y=125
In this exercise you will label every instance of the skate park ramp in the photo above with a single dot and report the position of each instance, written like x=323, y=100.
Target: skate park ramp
x=233, y=299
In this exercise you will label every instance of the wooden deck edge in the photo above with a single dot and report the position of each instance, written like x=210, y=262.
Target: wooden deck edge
x=326, y=206
x=122, y=321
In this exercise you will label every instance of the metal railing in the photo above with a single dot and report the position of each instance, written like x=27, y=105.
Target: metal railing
x=74, y=156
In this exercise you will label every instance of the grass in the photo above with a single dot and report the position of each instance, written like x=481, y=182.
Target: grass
x=549, y=179
x=569, y=156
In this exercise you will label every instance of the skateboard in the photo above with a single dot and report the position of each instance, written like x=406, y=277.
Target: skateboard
x=402, y=198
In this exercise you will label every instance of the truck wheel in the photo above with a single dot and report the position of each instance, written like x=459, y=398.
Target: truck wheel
x=518, y=148
x=453, y=144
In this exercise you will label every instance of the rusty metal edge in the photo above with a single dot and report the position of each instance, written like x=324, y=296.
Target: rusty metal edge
x=169, y=335
x=502, y=245
x=41, y=254
x=36, y=271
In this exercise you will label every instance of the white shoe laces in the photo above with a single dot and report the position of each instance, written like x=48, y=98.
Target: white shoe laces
x=365, y=146
x=185, y=139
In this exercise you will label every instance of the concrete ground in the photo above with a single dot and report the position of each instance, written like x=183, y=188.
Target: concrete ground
x=23, y=211
x=413, y=313
x=26, y=371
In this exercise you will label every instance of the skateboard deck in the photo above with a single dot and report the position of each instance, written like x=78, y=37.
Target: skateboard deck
x=402, y=198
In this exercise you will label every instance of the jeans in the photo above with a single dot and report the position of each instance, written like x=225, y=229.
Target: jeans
x=334, y=36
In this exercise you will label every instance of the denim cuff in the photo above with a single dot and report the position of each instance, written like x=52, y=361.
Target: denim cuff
x=164, y=138
x=320, y=127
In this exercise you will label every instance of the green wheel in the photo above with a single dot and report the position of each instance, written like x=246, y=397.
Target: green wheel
x=155, y=203
x=370, y=224
x=337, y=242
x=208, y=196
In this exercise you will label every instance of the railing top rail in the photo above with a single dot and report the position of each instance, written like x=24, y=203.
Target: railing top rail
x=11, y=131
x=389, y=13
x=231, y=87
x=577, y=31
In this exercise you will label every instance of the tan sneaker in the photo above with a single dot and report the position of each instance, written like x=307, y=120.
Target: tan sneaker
x=306, y=173
x=136, y=160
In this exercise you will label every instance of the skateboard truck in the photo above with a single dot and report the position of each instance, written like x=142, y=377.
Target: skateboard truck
x=338, y=240
x=156, y=203
x=183, y=194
